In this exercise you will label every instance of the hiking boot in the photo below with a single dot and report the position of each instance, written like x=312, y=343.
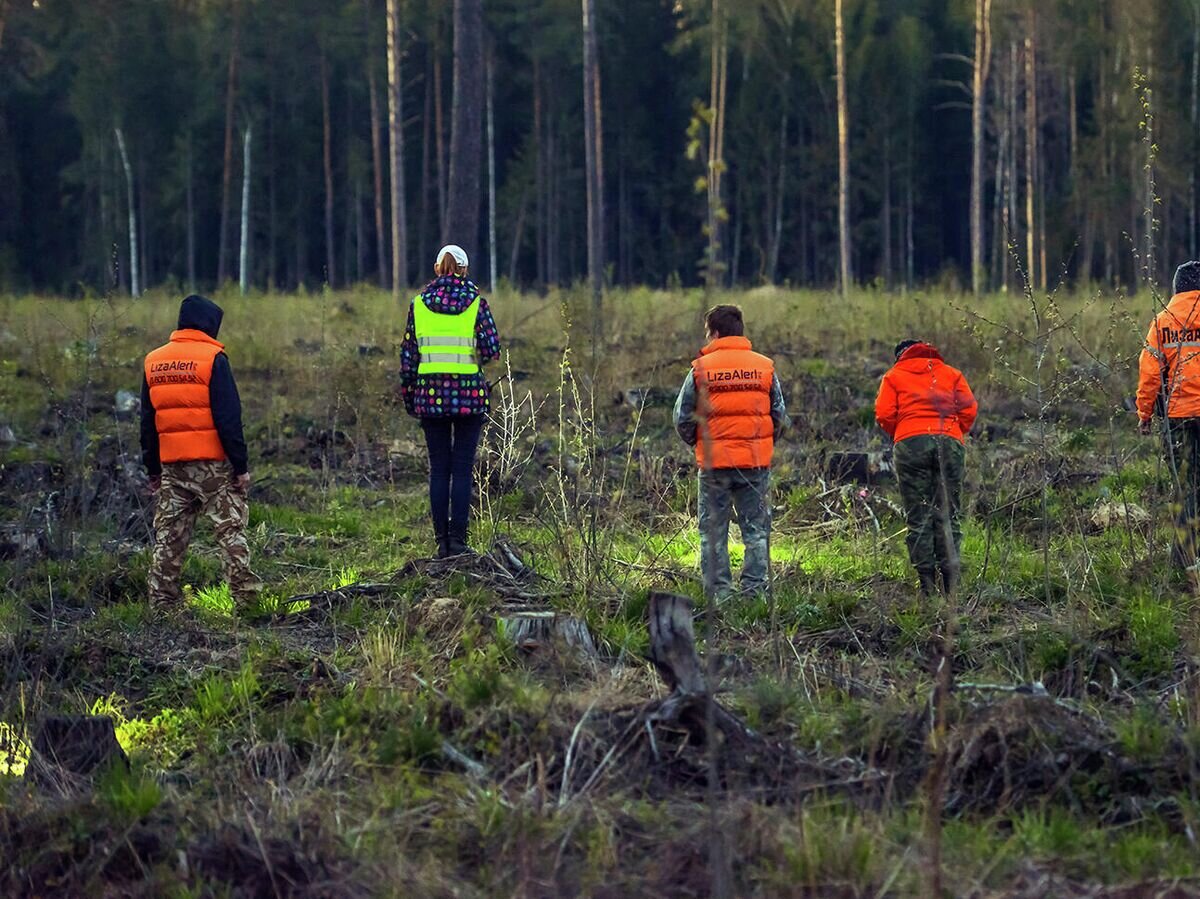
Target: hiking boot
x=456, y=546
x=928, y=579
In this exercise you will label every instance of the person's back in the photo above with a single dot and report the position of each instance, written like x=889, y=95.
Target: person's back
x=731, y=409
x=922, y=394
x=449, y=337
x=194, y=451
x=1169, y=387
x=927, y=408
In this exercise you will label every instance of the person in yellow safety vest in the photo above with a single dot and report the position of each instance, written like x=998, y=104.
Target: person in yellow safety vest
x=450, y=336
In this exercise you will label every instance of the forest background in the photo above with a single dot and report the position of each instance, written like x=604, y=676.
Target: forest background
x=716, y=156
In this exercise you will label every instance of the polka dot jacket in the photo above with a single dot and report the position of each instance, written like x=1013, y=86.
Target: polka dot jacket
x=448, y=396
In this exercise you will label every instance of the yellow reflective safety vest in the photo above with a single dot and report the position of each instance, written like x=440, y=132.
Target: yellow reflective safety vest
x=446, y=341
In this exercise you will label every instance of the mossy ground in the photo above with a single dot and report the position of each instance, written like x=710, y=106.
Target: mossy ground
x=313, y=751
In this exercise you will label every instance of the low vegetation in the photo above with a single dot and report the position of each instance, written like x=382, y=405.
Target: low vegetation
x=375, y=730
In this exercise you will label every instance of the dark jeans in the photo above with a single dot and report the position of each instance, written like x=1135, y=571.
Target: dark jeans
x=930, y=471
x=452, y=444
x=1181, y=451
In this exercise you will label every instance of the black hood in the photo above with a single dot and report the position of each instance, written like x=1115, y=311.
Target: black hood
x=200, y=314
x=1187, y=278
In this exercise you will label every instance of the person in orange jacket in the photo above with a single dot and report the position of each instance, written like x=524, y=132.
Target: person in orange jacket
x=731, y=409
x=927, y=408
x=1169, y=387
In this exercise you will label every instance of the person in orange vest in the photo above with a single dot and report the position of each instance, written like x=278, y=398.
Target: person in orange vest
x=195, y=453
x=1169, y=387
x=731, y=409
x=927, y=408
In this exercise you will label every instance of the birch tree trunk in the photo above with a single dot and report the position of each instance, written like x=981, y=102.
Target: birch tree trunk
x=327, y=160
x=135, y=287
x=594, y=164
x=396, y=152
x=1031, y=129
x=491, y=151
x=466, y=125
x=718, y=80
x=244, y=254
x=227, y=167
x=381, y=255
x=843, y=119
x=983, y=51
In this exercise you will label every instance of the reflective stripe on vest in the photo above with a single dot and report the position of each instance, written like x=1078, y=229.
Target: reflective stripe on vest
x=179, y=375
x=447, y=341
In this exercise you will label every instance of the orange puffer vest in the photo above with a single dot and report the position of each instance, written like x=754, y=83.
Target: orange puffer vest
x=733, y=405
x=178, y=375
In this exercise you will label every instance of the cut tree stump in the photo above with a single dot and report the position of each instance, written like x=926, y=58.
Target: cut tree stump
x=859, y=468
x=530, y=631
x=673, y=642
x=70, y=748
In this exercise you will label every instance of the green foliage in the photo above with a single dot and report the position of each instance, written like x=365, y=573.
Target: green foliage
x=1152, y=635
x=130, y=794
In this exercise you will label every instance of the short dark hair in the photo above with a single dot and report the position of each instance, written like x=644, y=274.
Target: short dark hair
x=725, y=321
x=904, y=345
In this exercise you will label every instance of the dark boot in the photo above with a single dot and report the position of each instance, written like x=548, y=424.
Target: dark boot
x=443, y=545
x=456, y=545
x=928, y=579
x=949, y=579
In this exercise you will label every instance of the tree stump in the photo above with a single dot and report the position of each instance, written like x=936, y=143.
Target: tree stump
x=530, y=631
x=673, y=643
x=69, y=748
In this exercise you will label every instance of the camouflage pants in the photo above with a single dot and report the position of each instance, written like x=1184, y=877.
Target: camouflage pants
x=724, y=492
x=930, y=472
x=1181, y=452
x=188, y=490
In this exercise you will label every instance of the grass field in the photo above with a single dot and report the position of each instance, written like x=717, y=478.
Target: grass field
x=380, y=734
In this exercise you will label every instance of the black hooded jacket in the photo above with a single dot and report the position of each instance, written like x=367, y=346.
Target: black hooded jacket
x=202, y=314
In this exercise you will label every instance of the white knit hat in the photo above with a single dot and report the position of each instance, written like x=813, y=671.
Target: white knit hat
x=459, y=254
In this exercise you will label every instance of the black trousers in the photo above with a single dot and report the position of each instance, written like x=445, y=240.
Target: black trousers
x=1181, y=453
x=452, y=444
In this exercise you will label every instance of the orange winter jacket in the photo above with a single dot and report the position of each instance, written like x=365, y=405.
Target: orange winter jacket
x=923, y=395
x=178, y=375
x=1169, y=368
x=733, y=405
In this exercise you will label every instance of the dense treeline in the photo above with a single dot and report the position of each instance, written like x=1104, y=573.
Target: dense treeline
x=161, y=107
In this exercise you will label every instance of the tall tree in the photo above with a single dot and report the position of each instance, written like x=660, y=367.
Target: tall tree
x=231, y=80
x=396, y=151
x=594, y=163
x=327, y=160
x=135, y=287
x=843, y=139
x=381, y=256
x=983, y=52
x=1031, y=150
x=466, y=124
x=244, y=251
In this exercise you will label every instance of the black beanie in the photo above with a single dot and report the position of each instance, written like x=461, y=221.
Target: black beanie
x=904, y=345
x=1187, y=277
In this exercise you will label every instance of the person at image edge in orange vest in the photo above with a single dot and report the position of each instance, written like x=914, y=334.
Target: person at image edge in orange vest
x=195, y=453
x=927, y=408
x=1169, y=387
x=731, y=409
